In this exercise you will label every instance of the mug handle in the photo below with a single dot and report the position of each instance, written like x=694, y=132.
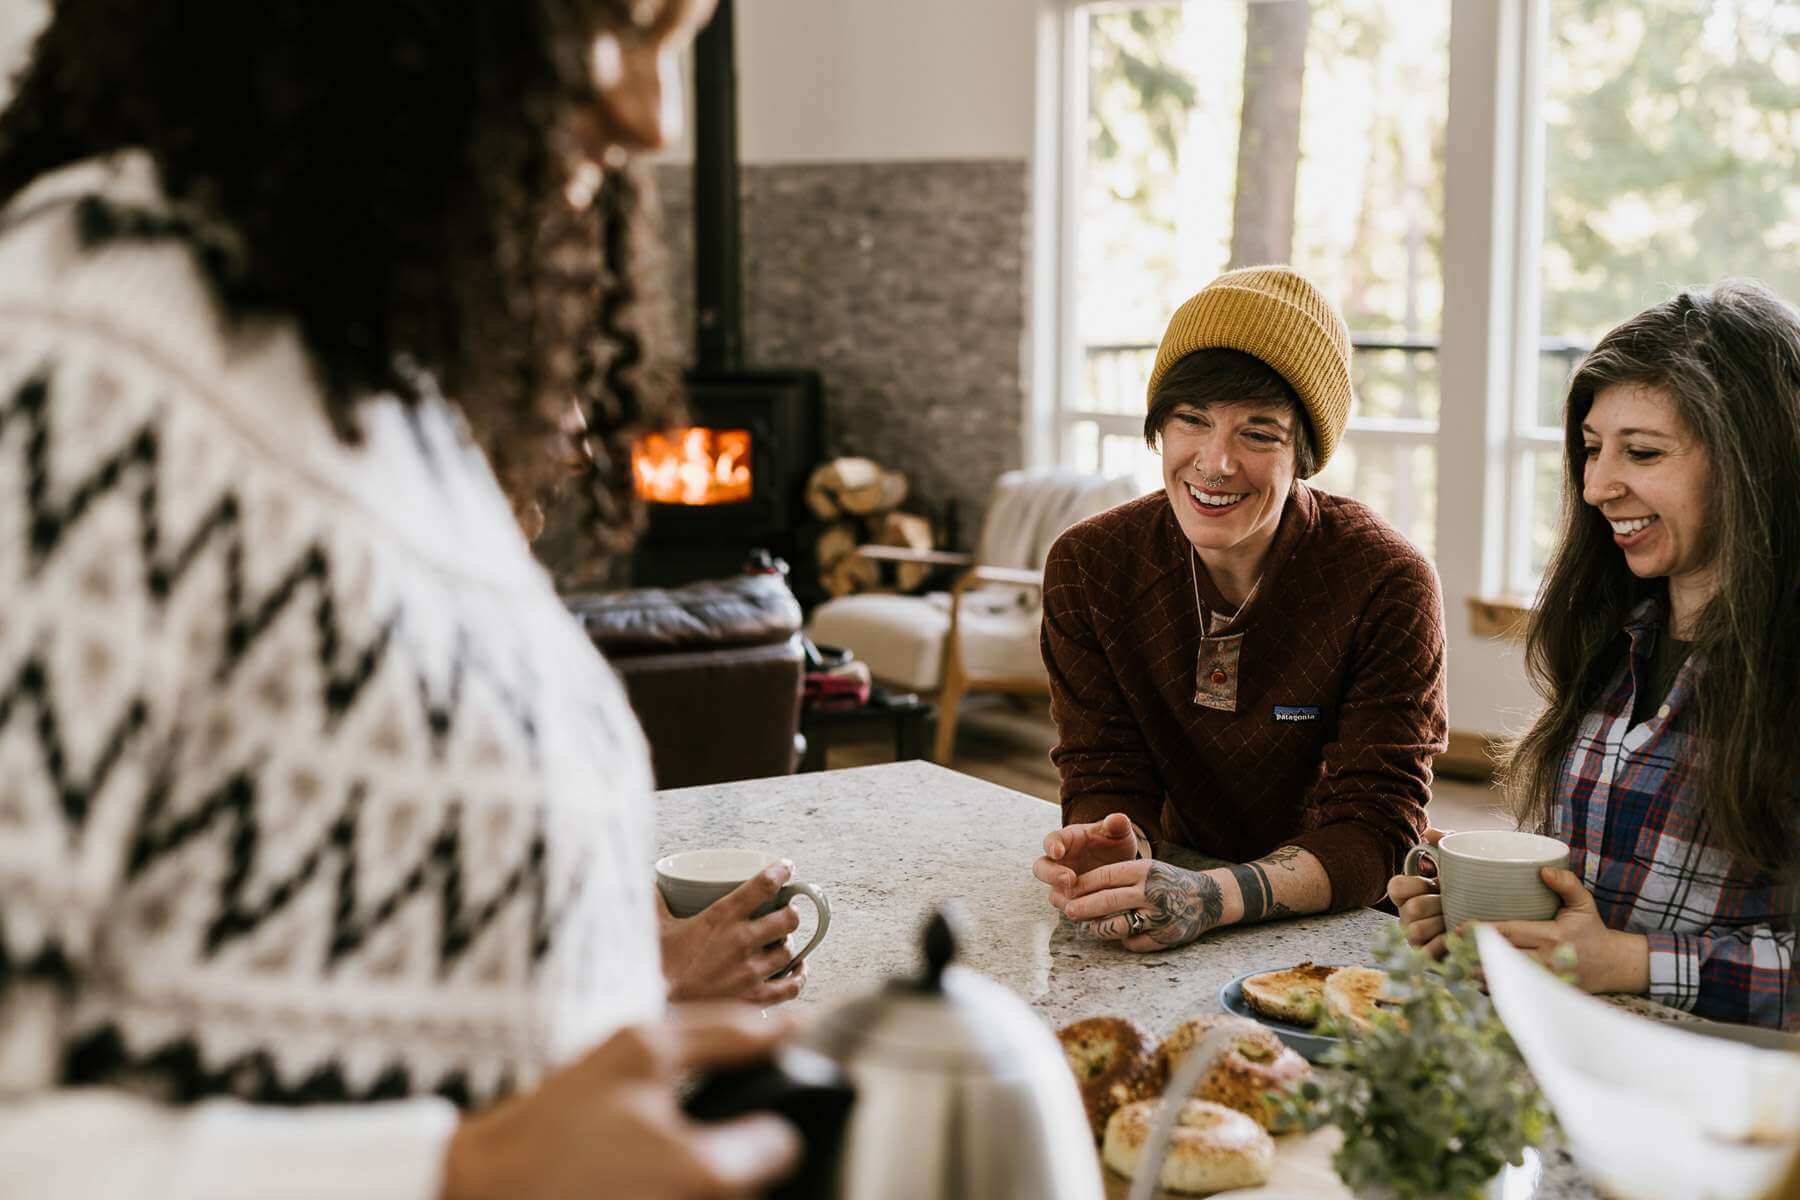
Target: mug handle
x=1415, y=856
x=785, y=897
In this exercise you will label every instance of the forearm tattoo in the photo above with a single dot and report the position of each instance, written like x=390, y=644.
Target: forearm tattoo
x=1181, y=905
x=1253, y=883
x=1283, y=858
x=1257, y=888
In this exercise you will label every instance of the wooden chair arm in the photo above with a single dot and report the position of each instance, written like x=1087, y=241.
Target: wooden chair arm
x=1011, y=576
x=906, y=554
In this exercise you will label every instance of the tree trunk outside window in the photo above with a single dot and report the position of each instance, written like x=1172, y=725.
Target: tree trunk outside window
x=1262, y=219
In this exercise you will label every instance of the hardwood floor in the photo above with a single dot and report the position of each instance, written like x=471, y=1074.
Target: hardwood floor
x=1009, y=743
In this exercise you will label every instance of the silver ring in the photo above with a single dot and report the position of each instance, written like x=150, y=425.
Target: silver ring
x=1134, y=921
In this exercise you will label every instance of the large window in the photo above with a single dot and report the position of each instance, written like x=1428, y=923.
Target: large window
x=1604, y=153
x=1671, y=152
x=1218, y=132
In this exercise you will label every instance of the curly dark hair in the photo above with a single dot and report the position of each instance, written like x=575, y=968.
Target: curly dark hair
x=395, y=176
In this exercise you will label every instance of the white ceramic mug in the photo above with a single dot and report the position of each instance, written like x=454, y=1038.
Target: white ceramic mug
x=1492, y=875
x=690, y=880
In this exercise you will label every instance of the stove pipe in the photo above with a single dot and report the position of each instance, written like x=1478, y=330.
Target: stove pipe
x=718, y=240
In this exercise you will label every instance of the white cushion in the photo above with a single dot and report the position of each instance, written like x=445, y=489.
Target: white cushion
x=900, y=637
x=999, y=635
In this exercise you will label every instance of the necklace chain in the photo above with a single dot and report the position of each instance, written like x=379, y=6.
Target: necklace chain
x=1200, y=605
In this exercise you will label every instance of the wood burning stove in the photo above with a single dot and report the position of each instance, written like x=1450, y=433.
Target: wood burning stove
x=731, y=484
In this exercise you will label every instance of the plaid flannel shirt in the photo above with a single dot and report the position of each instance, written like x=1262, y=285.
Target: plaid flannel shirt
x=1721, y=934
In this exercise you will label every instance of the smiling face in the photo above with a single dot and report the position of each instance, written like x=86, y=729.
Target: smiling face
x=1227, y=470
x=1651, y=478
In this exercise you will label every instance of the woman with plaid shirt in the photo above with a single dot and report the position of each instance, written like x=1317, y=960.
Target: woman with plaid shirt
x=1667, y=647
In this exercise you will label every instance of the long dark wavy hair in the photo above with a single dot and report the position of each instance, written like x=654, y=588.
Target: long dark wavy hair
x=1729, y=360
x=395, y=176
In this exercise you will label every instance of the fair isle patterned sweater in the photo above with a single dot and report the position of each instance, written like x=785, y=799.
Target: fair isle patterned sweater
x=319, y=817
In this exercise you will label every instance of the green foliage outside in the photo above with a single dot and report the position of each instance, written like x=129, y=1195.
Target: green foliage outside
x=1165, y=92
x=1672, y=156
x=1672, y=153
x=1140, y=98
x=1434, y=1099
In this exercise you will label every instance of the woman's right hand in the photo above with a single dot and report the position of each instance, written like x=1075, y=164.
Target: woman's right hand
x=610, y=1125
x=727, y=952
x=1420, y=906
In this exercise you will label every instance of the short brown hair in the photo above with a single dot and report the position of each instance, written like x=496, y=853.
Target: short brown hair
x=1208, y=377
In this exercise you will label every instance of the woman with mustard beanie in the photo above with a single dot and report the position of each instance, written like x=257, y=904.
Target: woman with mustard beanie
x=1241, y=663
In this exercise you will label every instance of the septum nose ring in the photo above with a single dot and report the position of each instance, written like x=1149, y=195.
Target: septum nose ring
x=1212, y=481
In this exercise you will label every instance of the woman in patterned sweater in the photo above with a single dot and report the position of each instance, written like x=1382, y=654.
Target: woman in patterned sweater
x=324, y=834
x=1666, y=646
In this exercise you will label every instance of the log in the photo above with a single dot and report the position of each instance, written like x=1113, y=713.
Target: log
x=864, y=501
x=842, y=570
x=835, y=544
x=893, y=491
x=853, y=573
x=832, y=482
x=912, y=532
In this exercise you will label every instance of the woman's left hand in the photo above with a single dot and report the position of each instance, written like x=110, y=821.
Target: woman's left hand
x=1145, y=905
x=1606, y=960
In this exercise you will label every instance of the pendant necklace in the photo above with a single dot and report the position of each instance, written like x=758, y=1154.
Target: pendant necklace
x=1216, y=664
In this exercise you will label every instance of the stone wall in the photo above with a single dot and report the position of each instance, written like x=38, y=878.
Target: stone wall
x=904, y=284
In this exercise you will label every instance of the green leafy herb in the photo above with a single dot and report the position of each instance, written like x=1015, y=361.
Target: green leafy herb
x=1433, y=1098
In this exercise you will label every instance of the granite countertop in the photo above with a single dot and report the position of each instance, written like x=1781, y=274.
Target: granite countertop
x=887, y=843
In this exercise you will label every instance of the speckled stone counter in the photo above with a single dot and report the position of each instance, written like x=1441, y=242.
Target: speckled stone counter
x=887, y=843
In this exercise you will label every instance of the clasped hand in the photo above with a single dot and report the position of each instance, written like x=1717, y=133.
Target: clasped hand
x=1097, y=880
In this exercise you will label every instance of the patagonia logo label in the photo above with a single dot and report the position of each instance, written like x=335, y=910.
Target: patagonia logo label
x=1285, y=712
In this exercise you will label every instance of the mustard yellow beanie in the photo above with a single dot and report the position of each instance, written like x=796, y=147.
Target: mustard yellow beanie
x=1275, y=315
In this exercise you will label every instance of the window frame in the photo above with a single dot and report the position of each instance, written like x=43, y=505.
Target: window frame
x=1489, y=345
x=1527, y=439
x=1058, y=411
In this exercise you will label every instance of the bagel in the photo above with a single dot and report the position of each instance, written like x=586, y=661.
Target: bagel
x=1212, y=1147
x=1353, y=994
x=1296, y=995
x=1253, y=1063
x=1114, y=1061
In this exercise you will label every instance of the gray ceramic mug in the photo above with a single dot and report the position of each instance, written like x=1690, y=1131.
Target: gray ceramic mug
x=693, y=879
x=1492, y=875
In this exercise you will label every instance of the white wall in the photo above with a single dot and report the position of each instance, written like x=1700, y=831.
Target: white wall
x=19, y=22
x=831, y=80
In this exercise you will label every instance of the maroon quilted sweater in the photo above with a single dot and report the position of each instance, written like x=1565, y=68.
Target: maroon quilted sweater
x=1339, y=703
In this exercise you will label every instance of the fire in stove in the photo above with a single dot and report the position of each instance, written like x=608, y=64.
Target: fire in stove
x=693, y=466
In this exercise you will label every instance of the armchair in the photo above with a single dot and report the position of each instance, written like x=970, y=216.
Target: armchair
x=713, y=671
x=981, y=635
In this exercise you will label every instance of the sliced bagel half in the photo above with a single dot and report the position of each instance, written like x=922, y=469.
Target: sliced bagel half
x=1296, y=995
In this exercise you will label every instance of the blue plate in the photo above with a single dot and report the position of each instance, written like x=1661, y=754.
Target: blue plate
x=1310, y=1045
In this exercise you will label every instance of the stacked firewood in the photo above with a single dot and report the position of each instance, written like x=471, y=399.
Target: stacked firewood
x=860, y=500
